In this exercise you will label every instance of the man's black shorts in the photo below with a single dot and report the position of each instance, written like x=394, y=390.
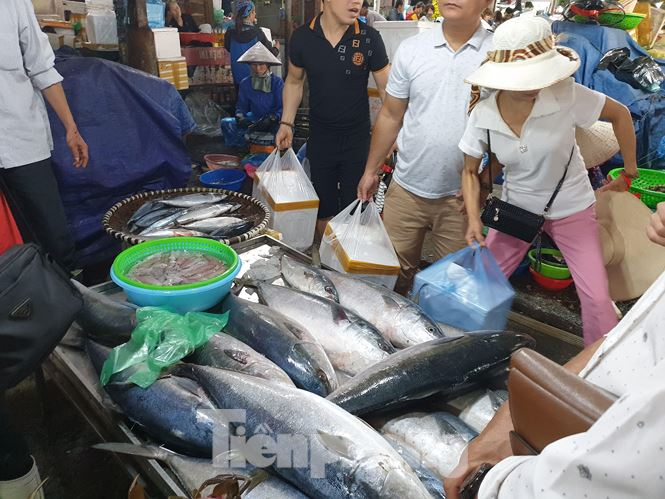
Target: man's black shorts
x=337, y=162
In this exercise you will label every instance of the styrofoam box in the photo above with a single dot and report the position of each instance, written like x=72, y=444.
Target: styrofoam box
x=101, y=27
x=393, y=33
x=297, y=226
x=329, y=258
x=367, y=250
x=167, y=43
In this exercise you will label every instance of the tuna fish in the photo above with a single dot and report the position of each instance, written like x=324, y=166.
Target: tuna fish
x=432, y=483
x=441, y=365
x=162, y=233
x=478, y=408
x=400, y=320
x=164, y=222
x=307, y=278
x=226, y=352
x=352, y=344
x=282, y=341
x=173, y=410
x=214, y=224
x=155, y=216
x=107, y=321
x=193, y=472
x=438, y=438
x=143, y=210
x=232, y=229
x=338, y=455
x=190, y=200
x=204, y=212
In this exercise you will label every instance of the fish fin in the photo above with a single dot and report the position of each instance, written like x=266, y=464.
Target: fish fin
x=337, y=444
x=237, y=355
x=74, y=338
x=389, y=301
x=147, y=451
x=111, y=406
x=188, y=385
x=339, y=314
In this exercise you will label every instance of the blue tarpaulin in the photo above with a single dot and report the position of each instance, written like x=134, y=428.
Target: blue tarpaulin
x=134, y=125
x=591, y=42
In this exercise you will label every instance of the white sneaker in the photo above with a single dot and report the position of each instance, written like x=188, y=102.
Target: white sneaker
x=29, y=486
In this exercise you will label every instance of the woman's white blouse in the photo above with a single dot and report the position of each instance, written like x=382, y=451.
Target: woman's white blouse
x=535, y=162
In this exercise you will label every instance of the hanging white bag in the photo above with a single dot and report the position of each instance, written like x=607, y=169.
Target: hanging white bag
x=282, y=185
x=356, y=243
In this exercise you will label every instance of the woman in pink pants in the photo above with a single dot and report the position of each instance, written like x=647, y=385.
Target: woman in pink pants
x=528, y=123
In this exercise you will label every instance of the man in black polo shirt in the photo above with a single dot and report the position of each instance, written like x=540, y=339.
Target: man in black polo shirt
x=337, y=53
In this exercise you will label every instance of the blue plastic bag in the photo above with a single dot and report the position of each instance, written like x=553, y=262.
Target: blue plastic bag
x=466, y=290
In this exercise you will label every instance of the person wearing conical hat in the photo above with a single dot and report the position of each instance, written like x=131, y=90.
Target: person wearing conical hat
x=528, y=124
x=259, y=106
x=260, y=94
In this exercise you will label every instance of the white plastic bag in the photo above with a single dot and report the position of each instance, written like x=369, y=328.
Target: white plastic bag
x=356, y=242
x=281, y=183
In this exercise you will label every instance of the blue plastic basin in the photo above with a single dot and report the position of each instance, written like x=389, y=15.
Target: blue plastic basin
x=182, y=300
x=230, y=180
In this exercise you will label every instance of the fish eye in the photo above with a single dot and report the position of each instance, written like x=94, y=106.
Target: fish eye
x=430, y=329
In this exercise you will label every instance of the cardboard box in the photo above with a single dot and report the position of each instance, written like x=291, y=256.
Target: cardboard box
x=174, y=71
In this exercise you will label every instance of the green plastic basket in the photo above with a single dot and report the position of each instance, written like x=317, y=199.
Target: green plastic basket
x=640, y=185
x=548, y=269
x=126, y=260
x=626, y=21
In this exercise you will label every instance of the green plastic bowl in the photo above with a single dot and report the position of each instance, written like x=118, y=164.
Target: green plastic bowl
x=549, y=269
x=620, y=20
x=126, y=260
x=648, y=178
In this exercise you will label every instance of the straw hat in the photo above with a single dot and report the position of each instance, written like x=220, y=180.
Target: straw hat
x=632, y=261
x=597, y=143
x=525, y=57
x=259, y=54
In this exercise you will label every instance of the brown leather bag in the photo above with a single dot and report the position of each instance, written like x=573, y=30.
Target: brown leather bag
x=548, y=403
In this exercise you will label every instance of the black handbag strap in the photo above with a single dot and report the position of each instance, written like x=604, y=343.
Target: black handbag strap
x=558, y=186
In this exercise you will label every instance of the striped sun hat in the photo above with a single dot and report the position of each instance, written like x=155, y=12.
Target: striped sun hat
x=525, y=57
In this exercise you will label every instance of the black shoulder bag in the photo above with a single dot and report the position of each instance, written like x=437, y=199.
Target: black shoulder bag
x=513, y=220
x=38, y=303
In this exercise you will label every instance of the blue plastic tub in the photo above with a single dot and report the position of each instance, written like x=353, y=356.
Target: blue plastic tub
x=230, y=180
x=183, y=300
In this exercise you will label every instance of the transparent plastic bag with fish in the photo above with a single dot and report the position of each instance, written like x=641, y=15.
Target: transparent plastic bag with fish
x=356, y=242
x=465, y=289
x=161, y=339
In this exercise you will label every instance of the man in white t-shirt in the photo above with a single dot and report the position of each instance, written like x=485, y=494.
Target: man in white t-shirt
x=427, y=99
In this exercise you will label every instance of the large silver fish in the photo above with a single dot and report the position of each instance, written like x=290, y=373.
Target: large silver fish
x=307, y=278
x=189, y=200
x=163, y=233
x=104, y=319
x=226, y=352
x=155, y=216
x=165, y=222
x=193, y=472
x=283, y=341
x=352, y=344
x=437, y=439
x=204, y=212
x=479, y=407
x=213, y=224
x=400, y=320
x=338, y=455
x=173, y=410
x=442, y=365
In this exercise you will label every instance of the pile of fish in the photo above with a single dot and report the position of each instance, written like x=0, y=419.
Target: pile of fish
x=172, y=268
x=306, y=362
x=191, y=215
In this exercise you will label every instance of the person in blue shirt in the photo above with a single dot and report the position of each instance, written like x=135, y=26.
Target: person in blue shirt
x=259, y=106
x=260, y=93
x=243, y=36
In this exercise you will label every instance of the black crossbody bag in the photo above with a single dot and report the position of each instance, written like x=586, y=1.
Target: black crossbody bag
x=513, y=220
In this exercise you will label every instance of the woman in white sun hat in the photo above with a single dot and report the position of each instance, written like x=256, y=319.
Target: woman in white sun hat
x=528, y=122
